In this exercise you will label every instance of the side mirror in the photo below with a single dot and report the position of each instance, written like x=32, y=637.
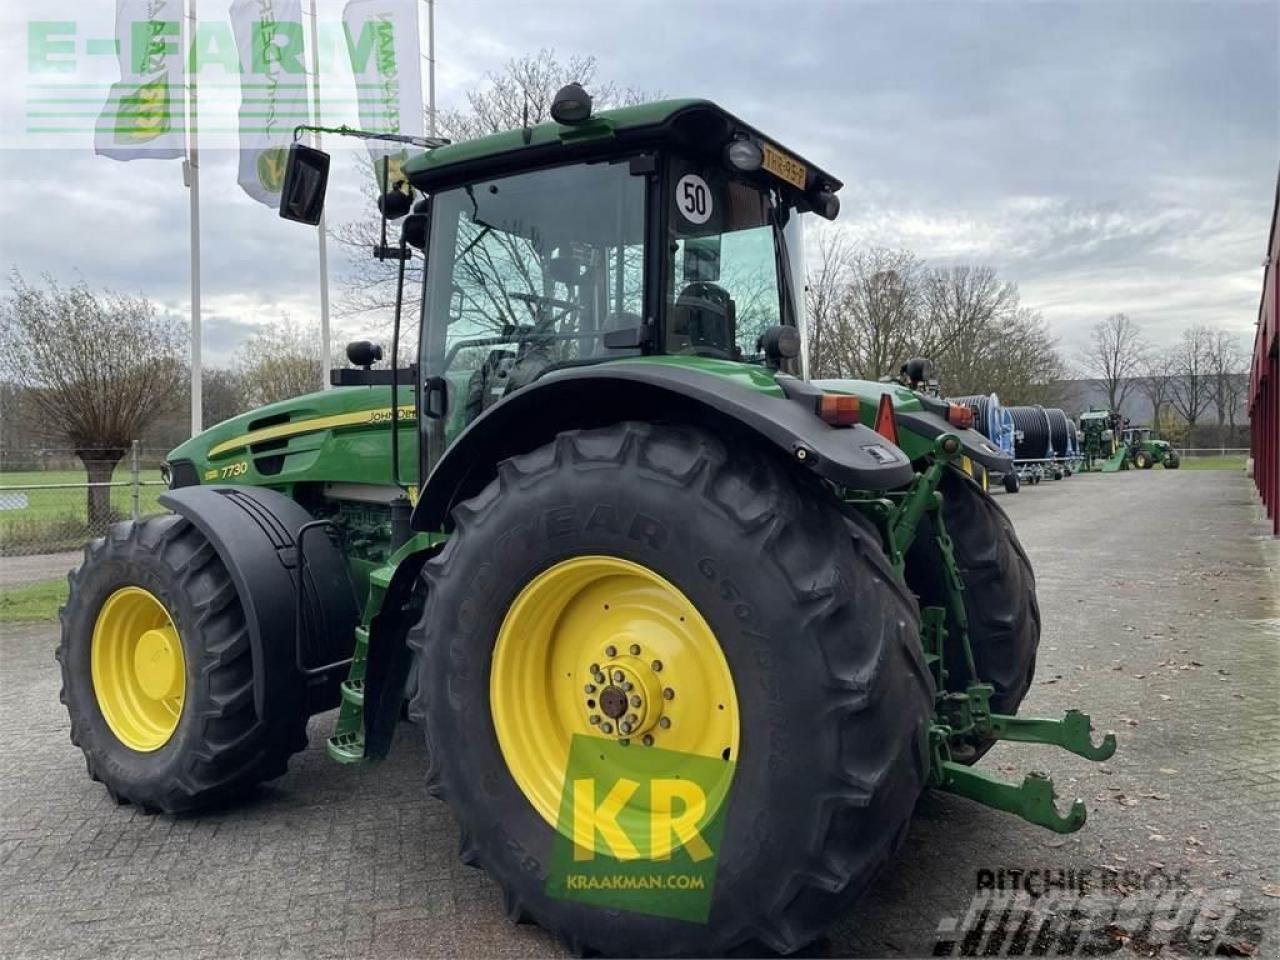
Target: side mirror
x=306, y=178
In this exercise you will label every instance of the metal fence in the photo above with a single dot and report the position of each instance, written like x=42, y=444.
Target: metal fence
x=48, y=504
x=1193, y=453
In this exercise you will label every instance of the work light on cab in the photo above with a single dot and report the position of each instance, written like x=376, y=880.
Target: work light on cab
x=744, y=154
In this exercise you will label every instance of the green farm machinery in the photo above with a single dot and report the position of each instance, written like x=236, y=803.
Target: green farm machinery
x=1144, y=452
x=1101, y=444
x=656, y=599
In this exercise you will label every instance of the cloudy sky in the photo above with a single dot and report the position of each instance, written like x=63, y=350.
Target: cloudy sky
x=1106, y=156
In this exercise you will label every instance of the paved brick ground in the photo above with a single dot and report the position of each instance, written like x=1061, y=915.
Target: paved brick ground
x=1160, y=618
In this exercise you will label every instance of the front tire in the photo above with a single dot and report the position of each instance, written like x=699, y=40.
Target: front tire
x=1011, y=483
x=158, y=675
x=833, y=698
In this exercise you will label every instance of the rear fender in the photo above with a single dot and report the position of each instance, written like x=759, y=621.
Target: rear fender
x=601, y=394
x=253, y=530
x=930, y=425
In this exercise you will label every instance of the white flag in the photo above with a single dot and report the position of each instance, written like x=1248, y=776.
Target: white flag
x=386, y=59
x=145, y=112
x=273, y=91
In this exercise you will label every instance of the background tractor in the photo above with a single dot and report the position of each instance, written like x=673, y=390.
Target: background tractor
x=1145, y=453
x=1101, y=445
x=599, y=522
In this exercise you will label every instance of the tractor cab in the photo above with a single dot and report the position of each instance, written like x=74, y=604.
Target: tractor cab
x=663, y=229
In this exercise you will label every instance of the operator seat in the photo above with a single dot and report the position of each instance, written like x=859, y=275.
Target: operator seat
x=704, y=320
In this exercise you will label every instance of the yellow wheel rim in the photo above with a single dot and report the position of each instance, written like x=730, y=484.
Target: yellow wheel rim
x=139, y=671
x=604, y=647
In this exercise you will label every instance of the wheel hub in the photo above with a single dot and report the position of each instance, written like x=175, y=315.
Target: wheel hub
x=630, y=700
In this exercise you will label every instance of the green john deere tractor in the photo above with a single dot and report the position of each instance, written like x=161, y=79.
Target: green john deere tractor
x=1145, y=453
x=606, y=542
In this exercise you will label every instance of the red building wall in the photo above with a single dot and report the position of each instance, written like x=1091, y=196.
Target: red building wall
x=1264, y=380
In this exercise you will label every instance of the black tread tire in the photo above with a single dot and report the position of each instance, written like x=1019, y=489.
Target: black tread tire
x=1012, y=484
x=836, y=724
x=221, y=748
x=999, y=590
x=1172, y=465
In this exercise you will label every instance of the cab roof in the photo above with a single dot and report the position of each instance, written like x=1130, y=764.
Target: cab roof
x=691, y=123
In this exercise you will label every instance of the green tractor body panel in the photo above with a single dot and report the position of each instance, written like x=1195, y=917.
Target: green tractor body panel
x=333, y=436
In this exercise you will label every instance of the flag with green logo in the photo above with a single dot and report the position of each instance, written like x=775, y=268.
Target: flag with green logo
x=386, y=60
x=273, y=90
x=145, y=111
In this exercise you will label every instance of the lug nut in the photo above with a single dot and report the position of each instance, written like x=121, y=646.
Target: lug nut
x=625, y=741
x=628, y=687
x=636, y=701
x=618, y=676
x=665, y=723
x=590, y=688
x=593, y=719
x=657, y=666
x=668, y=694
x=606, y=727
x=594, y=668
x=635, y=649
x=610, y=651
x=648, y=740
x=624, y=727
x=631, y=718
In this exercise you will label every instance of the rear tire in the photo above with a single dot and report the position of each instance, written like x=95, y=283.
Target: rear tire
x=999, y=591
x=1011, y=483
x=833, y=695
x=219, y=748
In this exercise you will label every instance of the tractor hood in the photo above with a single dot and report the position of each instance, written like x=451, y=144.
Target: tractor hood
x=340, y=435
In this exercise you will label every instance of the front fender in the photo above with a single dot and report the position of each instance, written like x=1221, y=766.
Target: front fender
x=601, y=394
x=254, y=531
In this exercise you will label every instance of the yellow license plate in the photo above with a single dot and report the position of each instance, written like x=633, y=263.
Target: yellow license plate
x=784, y=167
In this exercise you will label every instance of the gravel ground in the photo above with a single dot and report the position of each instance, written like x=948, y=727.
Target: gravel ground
x=1160, y=619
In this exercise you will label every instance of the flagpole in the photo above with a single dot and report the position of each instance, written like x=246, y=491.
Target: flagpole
x=325, y=359
x=193, y=184
x=431, y=67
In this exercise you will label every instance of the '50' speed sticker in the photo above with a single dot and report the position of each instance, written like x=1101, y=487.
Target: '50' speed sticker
x=693, y=199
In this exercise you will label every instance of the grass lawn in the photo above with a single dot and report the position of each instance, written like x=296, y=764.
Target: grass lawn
x=55, y=520
x=1228, y=462
x=33, y=601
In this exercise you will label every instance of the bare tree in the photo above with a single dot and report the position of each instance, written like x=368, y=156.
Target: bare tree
x=98, y=369
x=280, y=362
x=225, y=394
x=1229, y=363
x=1192, y=385
x=1156, y=383
x=825, y=285
x=1115, y=357
x=521, y=92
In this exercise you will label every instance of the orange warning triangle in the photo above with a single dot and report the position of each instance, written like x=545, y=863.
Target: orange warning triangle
x=886, y=422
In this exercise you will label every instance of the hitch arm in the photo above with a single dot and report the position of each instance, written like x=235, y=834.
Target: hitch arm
x=1032, y=800
x=1072, y=733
